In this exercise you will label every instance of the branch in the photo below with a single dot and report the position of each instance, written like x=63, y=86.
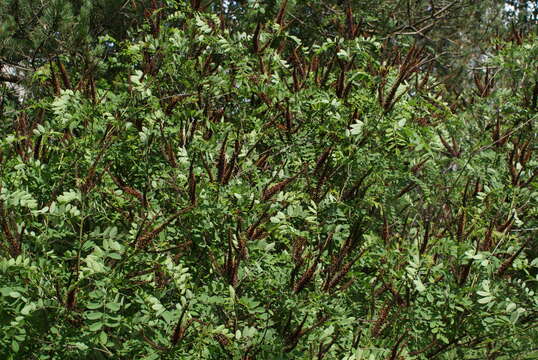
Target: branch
x=434, y=17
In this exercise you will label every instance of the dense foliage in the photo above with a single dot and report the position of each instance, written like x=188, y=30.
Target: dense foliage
x=211, y=186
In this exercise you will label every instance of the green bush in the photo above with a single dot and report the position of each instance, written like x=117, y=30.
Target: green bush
x=204, y=193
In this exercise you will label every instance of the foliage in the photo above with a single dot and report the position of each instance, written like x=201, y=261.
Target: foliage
x=203, y=192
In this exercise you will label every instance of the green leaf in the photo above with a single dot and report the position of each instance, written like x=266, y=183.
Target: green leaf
x=14, y=294
x=93, y=306
x=113, y=306
x=486, y=300
x=511, y=307
x=114, y=256
x=419, y=285
x=356, y=128
x=28, y=308
x=94, y=315
x=69, y=196
x=81, y=346
x=103, y=338
x=95, y=326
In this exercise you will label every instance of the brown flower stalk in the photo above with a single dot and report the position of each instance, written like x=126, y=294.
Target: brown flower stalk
x=179, y=330
x=307, y=276
x=127, y=189
x=275, y=189
x=192, y=185
x=144, y=240
x=71, y=299
x=340, y=275
x=281, y=12
x=221, y=164
x=321, y=160
x=382, y=318
x=508, y=262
